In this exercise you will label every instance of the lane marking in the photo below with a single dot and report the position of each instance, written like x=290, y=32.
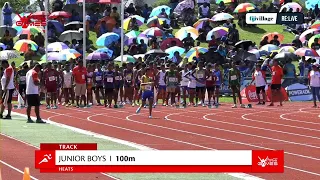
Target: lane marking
x=16, y=169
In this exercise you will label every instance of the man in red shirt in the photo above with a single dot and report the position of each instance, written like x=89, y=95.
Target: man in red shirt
x=80, y=73
x=51, y=79
x=277, y=74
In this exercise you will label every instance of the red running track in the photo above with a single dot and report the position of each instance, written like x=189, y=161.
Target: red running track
x=294, y=128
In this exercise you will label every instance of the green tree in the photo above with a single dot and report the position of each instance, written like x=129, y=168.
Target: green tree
x=18, y=6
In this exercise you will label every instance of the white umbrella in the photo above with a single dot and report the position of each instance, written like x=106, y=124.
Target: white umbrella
x=8, y=54
x=70, y=35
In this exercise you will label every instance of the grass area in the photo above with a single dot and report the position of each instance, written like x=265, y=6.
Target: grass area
x=47, y=133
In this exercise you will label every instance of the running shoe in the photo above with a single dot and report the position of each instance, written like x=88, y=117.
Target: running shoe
x=138, y=110
x=150, y=117
x=234, y=106
x=30, y=121
x=48, y=107
x=203, y=105
x=132, y=104
x=40, y=121
x=55, y=107
x=7, y=117
x=242, y=106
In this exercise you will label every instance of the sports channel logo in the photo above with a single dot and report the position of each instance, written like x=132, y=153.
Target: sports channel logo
x=31, y=20
x=261, y=18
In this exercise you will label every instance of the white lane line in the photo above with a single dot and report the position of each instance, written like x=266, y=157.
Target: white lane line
x=16, y=169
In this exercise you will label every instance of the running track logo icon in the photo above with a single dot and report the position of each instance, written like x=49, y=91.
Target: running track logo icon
x=46, y=158
x=267, y=162
x=25, y=21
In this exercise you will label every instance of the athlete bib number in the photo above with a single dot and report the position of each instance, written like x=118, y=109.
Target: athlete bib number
x=118, y=78
x=98, y=78
x=172, y=79
x=234, y=77
x=210, y=78
x=148, y=87
x=217, y=78
x=128, y=77
x=273, y=73
x=83, y=76
x=22, y=78
x=52, y=78
x=109, y=79
x=89, y=80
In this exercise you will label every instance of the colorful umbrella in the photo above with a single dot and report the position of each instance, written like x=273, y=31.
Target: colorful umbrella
x=31, y=30
x=194, y=52
x=311, y=40
x=54, y=56
x=269, y=47
x=126, y=59
x=316, y=25
x=271, y=36
x=128, y=39
x=244, y=7
x=302, y=37
x=224, y=1
x=201, y=22
x=95, y=56
x=259, y=53
x=222, y=17
x=310, y=4
x=71, y=53
x=70, y=35
x=107, y=38
x=170, y=42
x=306, y=52
x=57, y=46
x=8, y=54
x=57, y=14
x=3, y=46
x=183, y=5
x=127, y=21
x=295, y=6
x=107, y=51
x=154, y=31
x=22, y=45
x=155, y=21
x=217, y=32
x=156, y=11
x=110, y=23
x=174, y=49
x=290, y=49
x=183, y=32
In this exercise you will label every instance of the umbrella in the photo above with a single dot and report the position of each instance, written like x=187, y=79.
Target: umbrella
x=154, y=31
x=302, y=37
x=269, y=47
x=222, y=17
x=54, y=56
x=174, y=49
x=56, y=24
x=57, y=46
x=97, y=56
x=183, y=5
x=107, y=38
x=135, y=35
x=39, y=13
x=127, y=21
x=315, y=25
x=12, y=31
x=155, y=21
x=3, y=46
x=155, y=51
x=110, y=23
x=71, y=53
x=243, y=44
x=195, y=51
x=137, y=56
x=295, y=6
x=169, y=42
x=31, y=30
x=285, y=56
x=271, y=36
x=8, y=54
x=217, y=32
x=310, y=4
x=306, y=52
x=107, y=51
x=244, y=7
x=183, y=32
x=259, y=53
x=126, y=59
x=224, y=1
x=74, y=25
x=156, y=11
x=311, y=40
x=244, y=55
x=201, y=22
x=22, y=45
x=70, y=35
x=287, y=49
x=57, y=14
